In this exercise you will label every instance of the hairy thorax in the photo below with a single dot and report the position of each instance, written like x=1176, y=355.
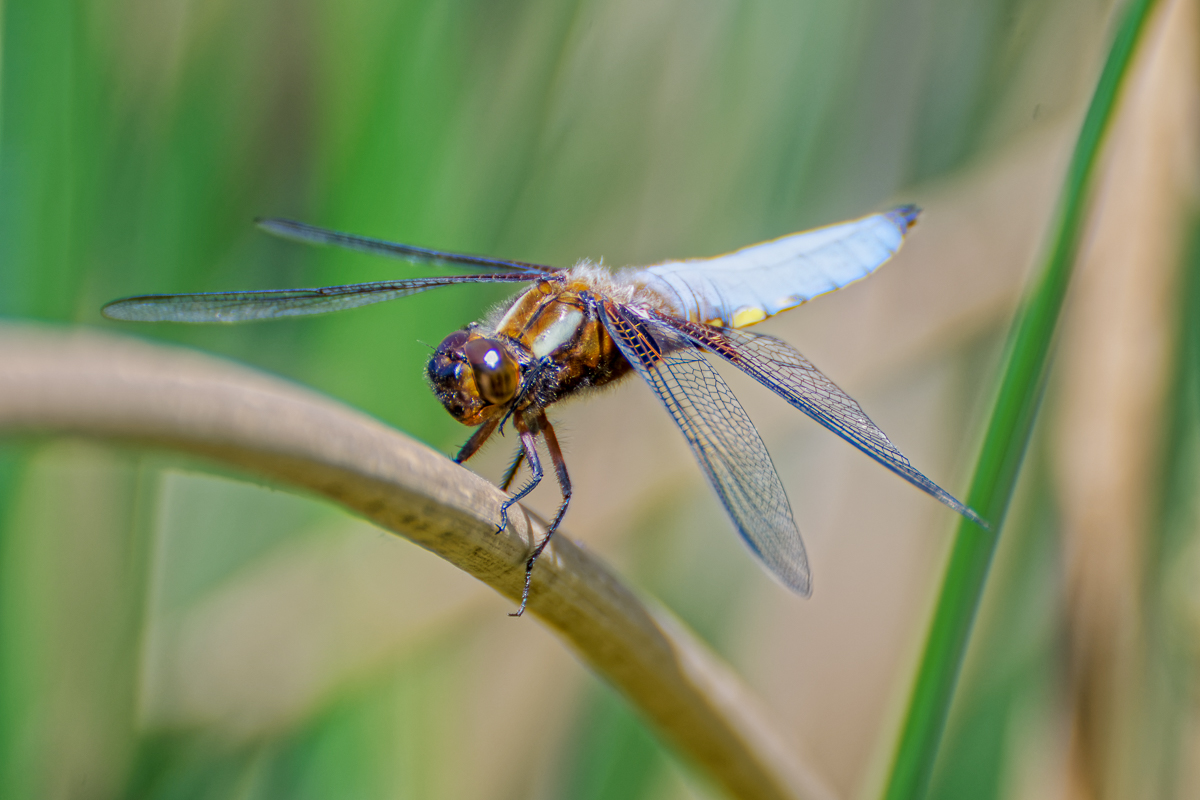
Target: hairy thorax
x=548, y=344
x=557, y=322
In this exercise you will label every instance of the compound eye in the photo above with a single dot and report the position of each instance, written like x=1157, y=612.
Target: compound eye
x=445, y=365
x=496, y=373
x=453, y=341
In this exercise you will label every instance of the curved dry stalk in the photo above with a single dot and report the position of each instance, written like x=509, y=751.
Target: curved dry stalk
x=100, y=385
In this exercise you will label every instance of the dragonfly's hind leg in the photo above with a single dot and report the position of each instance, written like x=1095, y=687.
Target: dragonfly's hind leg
x=564, y=485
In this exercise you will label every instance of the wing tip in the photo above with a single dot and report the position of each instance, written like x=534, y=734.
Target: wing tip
x=794, y=574
x=967, y=512
x=797, y=580
x=971, y=514
x=904, y=216
x=276, y=226
x=124, y=310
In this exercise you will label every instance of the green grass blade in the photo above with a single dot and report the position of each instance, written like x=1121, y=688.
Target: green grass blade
x=1004, y=445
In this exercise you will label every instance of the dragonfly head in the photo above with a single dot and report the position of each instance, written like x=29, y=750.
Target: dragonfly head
x=473, y=376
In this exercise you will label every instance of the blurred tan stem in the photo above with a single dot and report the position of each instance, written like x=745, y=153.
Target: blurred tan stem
x=1115, y=374
x=90, y=384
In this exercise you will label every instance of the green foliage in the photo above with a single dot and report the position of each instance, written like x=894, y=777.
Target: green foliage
x=612, y=754
x=1008, y=434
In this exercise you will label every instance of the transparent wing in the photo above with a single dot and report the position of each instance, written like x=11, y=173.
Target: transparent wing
x=311, y=234
x=247, y=306
x=722, y=437
x=778, y=366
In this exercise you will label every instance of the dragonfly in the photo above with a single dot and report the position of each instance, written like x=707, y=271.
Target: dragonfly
x=573, y=330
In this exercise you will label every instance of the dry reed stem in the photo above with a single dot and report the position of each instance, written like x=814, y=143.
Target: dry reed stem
x=1115, y=375
x=124, y=390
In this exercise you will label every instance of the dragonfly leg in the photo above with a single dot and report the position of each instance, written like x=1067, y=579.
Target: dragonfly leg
x=512, y=469
x=564, y=485
x=529, y=447
x=472, y=445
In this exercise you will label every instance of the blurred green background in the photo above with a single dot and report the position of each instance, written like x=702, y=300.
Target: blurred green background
x=170, y=631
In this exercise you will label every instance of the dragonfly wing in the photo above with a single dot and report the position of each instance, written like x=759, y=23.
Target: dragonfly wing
x=756, y=282
x=271, y=304
x=721, y=435
x=311, y=234
x=780, y=367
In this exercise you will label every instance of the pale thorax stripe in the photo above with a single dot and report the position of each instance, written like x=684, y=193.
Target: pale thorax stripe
x=561, y=331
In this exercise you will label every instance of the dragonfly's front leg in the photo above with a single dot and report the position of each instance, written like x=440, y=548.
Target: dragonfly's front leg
x=472, y=445
x=564, y=485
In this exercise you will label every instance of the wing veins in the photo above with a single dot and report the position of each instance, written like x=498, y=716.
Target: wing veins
x=722, y=438
x=231, y=307
x=801, y=384
x=311, y=234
